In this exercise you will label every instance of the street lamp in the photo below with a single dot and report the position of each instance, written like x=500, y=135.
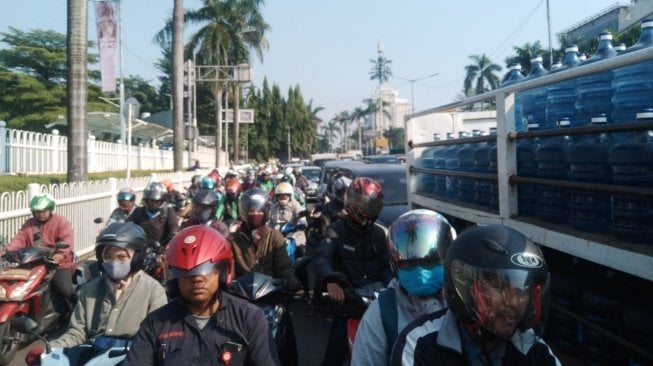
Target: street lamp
x=412, y=87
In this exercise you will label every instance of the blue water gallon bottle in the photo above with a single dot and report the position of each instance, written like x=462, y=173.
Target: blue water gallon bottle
x=466, y=164
x=551, y=159
x=527, y=167
x=483, y=187
x=633, y=84
x=440, y=162
x=632, y=165
x=533, y=101
x=561, y=96
x=426, y=182
x=594, y=92
x=588, y=162
x=515, y=76
x=620, y=47
x=452, y=164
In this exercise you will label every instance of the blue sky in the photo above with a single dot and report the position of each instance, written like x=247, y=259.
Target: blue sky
x=325, y=46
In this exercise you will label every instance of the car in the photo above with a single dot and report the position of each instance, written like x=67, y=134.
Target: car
x=392, y=178
x=312, y=174
x=382, y=159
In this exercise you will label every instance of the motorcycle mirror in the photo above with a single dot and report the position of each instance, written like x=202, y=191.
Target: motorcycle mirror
x=61, y=245
x=26, y=325
x=98, y=220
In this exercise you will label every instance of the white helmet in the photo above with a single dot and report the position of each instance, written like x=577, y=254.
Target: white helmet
x=284, y=188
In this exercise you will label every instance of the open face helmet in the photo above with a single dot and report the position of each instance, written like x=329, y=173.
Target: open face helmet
x=232, y=189
x=339, y=187
x=154, y=191
x=363, y=202
x=284, y=192
x=124, y=235
x=42, y=202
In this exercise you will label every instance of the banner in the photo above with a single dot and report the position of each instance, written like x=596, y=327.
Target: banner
x=107, y=31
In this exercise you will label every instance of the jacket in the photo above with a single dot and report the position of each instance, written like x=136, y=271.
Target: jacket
x=268, y=255
x=170, y=336
x=216, y=224
x=116, y=318
x=362, y=256
x=436, y=340
x=370, y=346
x=56, y=229
x=119, y=215
x=161, y=227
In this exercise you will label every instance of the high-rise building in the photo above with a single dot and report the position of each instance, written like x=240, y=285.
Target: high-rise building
x=397, y=108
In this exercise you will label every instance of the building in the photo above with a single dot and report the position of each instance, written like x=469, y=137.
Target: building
x=396, y=107
x=617, y=17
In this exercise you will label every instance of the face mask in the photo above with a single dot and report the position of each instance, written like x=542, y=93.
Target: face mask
x=284, y=201
x=420, y=281
x=117, y=270
x=205, y=216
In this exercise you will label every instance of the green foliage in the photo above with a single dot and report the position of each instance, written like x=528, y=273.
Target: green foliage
x=396, y=137
x=381, y=70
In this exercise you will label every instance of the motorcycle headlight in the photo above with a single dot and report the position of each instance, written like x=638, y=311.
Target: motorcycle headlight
x=20, y=291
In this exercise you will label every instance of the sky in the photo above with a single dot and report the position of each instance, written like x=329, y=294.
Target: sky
x=325, y=46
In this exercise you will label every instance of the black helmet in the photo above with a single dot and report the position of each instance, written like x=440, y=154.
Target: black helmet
x=123, y=235
x=253, y=207
x=487, y=262
x=206, y=197
x=195, y=180
x=154, y=191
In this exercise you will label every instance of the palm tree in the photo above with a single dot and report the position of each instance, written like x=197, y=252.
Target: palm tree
x=230, y=28
x=77, y=90
x=524, y=54
x=360, y=114
x=341, y=119
x=333, y=129
x=479, y=73
x=381, y=70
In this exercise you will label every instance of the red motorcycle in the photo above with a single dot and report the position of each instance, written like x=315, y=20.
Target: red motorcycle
x=25, y=290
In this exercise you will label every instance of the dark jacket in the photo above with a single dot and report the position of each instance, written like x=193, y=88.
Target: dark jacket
x=170, y=336
x=362, y=256
x=161, y=228
x=216, y=224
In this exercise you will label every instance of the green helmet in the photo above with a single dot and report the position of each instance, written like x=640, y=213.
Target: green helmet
x=42, y=202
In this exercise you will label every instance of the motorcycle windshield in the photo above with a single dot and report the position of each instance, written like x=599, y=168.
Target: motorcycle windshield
x=254, y=286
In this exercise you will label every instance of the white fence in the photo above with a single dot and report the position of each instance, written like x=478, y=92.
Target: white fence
x=80, y=203
x=27, y=152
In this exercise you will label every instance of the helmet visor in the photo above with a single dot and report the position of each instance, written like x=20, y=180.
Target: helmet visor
x=203, y=269
x=413, y=239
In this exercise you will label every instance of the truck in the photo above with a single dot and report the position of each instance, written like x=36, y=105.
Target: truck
x=601, y=285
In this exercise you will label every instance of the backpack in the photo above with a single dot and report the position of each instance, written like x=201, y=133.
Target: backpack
x=389, y=318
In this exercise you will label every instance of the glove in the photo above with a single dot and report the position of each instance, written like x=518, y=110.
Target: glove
x=33, y=357
x=293, y=285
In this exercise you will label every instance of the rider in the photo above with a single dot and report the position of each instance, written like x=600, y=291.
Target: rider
x=46, y=228
x=205, y=204
x=232, y=188
x=202, y=324
x=172, y=197
x=284, y=208
x=353, y=254
x=335, y=208
x=257, y=247
x=300, y=180
x=126, y=293
x=417, y=242
x=496, y=285
x=159, y=223
x=126, y=205
x=265, y=182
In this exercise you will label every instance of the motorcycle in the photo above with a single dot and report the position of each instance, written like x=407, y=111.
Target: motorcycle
x=25, y=291
x=101, y=351
x=153, y=262
x=267, y=293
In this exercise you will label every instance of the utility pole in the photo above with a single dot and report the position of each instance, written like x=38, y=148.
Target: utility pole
x=412, y=87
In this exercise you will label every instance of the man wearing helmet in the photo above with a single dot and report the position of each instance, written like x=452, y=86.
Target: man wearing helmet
x=257, y=247
x=264, y=181
x=126, y=293
x=232, y=189
x=352, y=255
x=496, y=284
x=300, y=180
x=202, y=324
x=158, y=221
x=46, y=228
x=417, y=242
x=126, y=205
x=204, y=211
x=172, y=197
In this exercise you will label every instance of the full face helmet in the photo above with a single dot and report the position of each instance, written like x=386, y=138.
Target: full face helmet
x=363, y=202
x=42, y=202
x=215, y=175
x=339, y=187
x=253, y=207
x=195, y=251
x=154, y=191
x=207, y=182
x=232, y=189
x=126, y=194
x=204, y=205
x=487, y=267
x=124, y=235
x=417, y=243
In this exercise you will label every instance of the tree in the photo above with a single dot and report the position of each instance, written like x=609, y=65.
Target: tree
x=360, y=116
x=342, y=119
x=332, y=128
x=77, y=92
x=479, y=73
x=381, y=70
x=524, y=54
x=396, y=137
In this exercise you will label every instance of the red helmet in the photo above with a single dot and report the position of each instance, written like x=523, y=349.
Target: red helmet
x=233, y=188
x=168, y=184
x=198, y=249
x=215, y=174
x=364, y=201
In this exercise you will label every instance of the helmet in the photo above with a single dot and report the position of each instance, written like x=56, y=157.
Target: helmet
x=339, y=186
x=296, y=172
x=363, y=201
x=42, y=202
x=195, y=180
x=207, y=182
x=287, y=171
x=253, y=207
x=284, y=188
x=206, y=197
x=196, y=250
x=154, y=191
x=419, y=237
x=215, y=175
x=233, y=188
x=126, y=194
x=168, y=185
x=123, y=235
x=492, y=261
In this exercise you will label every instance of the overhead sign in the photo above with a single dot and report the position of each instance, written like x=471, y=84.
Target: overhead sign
x=381, y=142
x=245, y=115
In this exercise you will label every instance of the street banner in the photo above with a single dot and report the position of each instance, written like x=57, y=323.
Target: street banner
x=107, y=30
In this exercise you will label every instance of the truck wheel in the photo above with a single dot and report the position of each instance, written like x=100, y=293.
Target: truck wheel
x=9, y=339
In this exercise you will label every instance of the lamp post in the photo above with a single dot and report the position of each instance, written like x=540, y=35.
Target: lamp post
x=412, y=87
